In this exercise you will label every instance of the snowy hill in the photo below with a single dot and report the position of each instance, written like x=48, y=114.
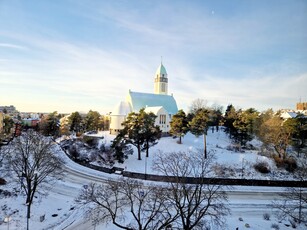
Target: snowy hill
x=60, y=210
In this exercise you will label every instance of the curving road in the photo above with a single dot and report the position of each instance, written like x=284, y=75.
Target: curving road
x=242, y=200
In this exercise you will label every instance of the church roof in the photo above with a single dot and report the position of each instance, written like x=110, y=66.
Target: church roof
x=143, y=100
x=161, y=70
x=122, y=108
x=153, y=109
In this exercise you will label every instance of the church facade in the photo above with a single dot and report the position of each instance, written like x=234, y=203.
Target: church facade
x=164, y=106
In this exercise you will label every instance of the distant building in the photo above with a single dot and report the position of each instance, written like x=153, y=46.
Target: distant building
x=30, y=122
x=301, y=106
x=164, y=106
x=8, y=109
x=288, y=114
x=1, y=122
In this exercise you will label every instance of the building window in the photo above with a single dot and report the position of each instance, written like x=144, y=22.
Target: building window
x=162, y=119
x=163, y=87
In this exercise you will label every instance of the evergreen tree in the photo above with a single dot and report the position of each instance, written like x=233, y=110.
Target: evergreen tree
x=199, y=125
x=50, y=124
x=75, y=122
x=244, y=125
x=215, y=116
x=300, y=136
x=133, y=131
x=120, y=147
x=152, y=132
x=139, y=130
x=229, y=118
x=92, y=121
x=179, y=125
x=8, y=124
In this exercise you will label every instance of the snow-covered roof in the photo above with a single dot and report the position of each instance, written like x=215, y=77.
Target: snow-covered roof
x=286, y=115
x=143, y=100
x=154, y=109
x=122, y=108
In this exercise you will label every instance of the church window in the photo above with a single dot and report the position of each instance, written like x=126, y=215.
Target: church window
x=162, y=119
x=163, y=87
x=163, y=75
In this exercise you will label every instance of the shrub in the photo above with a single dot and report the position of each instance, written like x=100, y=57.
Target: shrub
x=266, y=216
x=89, y=140
x=275, y=226
x=2, y=181
x=262, y=167
x=290, y=164
x=278, y=161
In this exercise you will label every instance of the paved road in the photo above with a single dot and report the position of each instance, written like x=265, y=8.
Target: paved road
x=247, y=200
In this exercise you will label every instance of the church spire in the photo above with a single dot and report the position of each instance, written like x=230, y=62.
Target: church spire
x=161, y=80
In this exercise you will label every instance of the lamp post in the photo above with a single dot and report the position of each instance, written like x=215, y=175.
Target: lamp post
x=145, y=167
x=242, y=168
x=7, y=220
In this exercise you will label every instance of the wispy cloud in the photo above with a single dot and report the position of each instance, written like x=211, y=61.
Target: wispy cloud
x=92, y=56
x=12, y=46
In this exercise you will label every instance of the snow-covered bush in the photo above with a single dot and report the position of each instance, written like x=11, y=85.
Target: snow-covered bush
x=266, y=216
x=262, y=167
x=235, y=148
x=275, y=226
x=290, y=164
x=222, y=170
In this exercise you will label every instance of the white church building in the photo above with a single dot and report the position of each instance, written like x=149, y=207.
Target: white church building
x=164, y=106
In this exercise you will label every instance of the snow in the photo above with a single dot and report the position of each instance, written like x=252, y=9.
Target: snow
x=248, y=203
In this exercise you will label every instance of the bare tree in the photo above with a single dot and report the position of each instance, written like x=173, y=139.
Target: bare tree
x=198, y=104
x=127, y=199
x=293, y=202
x=34, y=164
x=198, y=205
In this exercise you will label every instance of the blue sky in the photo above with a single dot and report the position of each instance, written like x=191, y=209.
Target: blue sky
x=67, y=56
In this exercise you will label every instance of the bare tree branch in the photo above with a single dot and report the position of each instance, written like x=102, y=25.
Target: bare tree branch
x=197, y=205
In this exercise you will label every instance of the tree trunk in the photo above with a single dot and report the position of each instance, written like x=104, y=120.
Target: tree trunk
x=147, y=150
x=139, y=152
x=28, y=213
x=205, y=146
x=180, y=139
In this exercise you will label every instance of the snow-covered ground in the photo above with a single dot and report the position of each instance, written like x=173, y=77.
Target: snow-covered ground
x=61, y=212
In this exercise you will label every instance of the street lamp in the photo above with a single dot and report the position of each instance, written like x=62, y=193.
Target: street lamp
x=145, y=167
x=242, y=168
x=7, y=220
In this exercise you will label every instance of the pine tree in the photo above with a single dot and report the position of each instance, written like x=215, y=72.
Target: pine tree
x=133, y=131
x=152, y=132
x=244, y=125
x=140, y=131
x=199, y=125
x=50, y=124
x=229, y=118
x=74, y=121
x=179, y=125
x=92, y=121
x=8, y=124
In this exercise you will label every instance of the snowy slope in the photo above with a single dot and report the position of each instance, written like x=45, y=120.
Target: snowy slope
x=250, y=205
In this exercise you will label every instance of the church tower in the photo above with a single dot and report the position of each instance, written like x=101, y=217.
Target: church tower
x=161, y=81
